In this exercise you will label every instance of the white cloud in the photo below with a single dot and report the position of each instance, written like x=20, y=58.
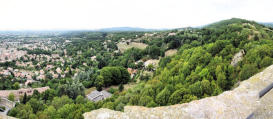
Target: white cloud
x=92, y=14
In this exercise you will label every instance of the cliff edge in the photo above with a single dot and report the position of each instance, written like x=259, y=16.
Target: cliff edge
x=239, y=103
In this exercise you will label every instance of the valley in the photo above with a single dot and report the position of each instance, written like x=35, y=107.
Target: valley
x=139, y=74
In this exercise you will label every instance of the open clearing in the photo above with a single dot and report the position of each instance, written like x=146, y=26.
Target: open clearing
x=89, y=90
x=170, y=52
x=122, y=46
x=126, y=87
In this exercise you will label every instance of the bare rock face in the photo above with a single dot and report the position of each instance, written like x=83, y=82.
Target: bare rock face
x=6, y=117
x=236, y=104
x=237, y=57
x=265, y=109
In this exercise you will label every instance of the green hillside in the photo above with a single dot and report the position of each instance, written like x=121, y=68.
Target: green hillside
x=202, y=66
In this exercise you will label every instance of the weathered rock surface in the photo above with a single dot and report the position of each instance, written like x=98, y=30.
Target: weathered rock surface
x=265, y=109
x=6, y=117
x=236, y=104
x=237, y=58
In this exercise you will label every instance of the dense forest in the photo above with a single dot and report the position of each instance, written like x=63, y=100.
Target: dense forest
x=201, y=68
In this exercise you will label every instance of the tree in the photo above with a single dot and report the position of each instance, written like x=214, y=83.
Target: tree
x=221, y=78
x=70, y=111
x=153, y=51
x=177, y=96
x=125, y=75
x=163, y=97
x=204, y=73
x=144, y=76
x=36, y=105
x=49, y=76
x=206, y=87
x=75, y=88
x=14, y=111
x=266, y=61
x=256, y=38
x=72, y=88
x=120, y=107
x=48, y=94
x=120, y=87
x=89, y=106
x=11, y=97
x=188, y=98
x=59, y=102
x=109, y=105
x=24, y=101
x=36, y=94
x=174, y=44
x=99, y=83
x=25, y=112
x=163, y=61
x=51, y=112
x=151, y=104
x=196, y=89
x=247, y=71
x=80, y=100
x=113, y=76
x=16, y=86
x=145, y=100
x=134, y=99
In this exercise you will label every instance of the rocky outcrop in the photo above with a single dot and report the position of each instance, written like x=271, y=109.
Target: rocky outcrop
x=238, y=103
x=265, y=109
x=6, y=117
x=237, y=58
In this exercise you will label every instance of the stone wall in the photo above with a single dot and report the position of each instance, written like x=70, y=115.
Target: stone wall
x=21, y=92
x=238, y=103
x=6, y=102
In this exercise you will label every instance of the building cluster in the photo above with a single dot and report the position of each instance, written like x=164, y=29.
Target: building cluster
x=96, y=96
x=10, y=54
x=31, y=66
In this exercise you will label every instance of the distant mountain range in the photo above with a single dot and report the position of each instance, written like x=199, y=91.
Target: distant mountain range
x=131, y=29
x=121, y=29
x=269, y=24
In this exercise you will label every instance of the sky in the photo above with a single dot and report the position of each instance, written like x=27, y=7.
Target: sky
x=96, y=14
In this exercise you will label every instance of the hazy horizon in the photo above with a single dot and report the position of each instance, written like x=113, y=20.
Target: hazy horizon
x=41, y=15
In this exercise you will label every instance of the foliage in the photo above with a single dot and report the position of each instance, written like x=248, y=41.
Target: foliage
x=11, y=97
x=201, y=68
x=112, y=76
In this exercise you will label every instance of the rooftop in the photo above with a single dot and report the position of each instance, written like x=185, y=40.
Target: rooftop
x=96, y=96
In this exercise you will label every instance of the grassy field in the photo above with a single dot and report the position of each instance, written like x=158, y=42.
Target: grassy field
x=89, y=90
x=126, y=87
x=123, y=46
x=170, y=52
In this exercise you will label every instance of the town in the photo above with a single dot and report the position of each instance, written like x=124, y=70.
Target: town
x=32, y=64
